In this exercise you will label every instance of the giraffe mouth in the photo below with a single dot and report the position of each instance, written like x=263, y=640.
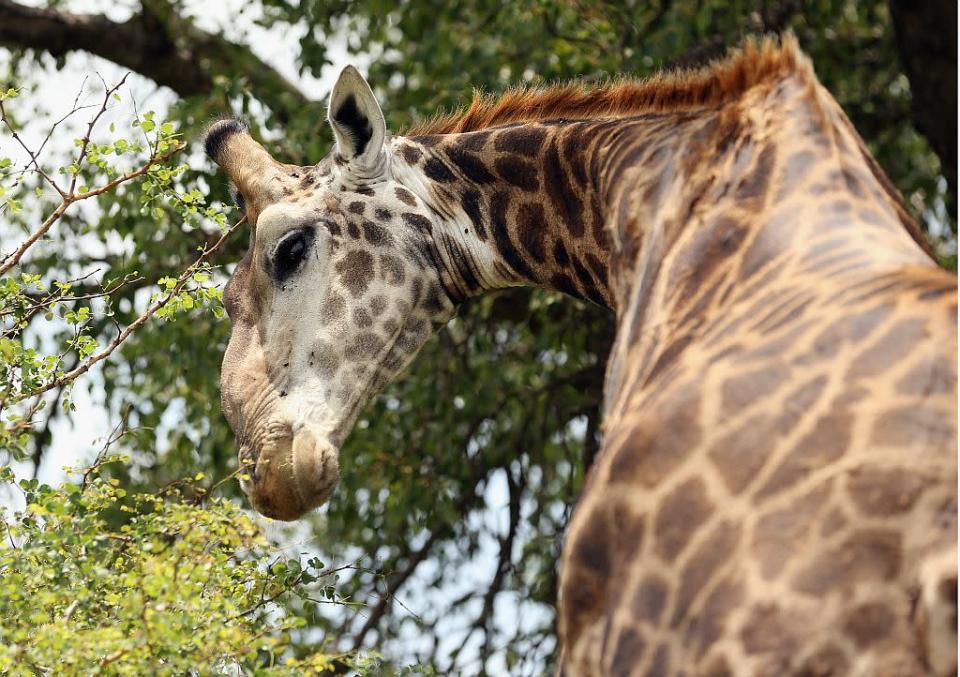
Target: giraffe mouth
x=291, y=475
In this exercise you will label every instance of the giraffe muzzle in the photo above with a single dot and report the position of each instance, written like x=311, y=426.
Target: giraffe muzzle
x=292, y=474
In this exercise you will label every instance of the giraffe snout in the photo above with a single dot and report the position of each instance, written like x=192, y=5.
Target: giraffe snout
x=292, y=474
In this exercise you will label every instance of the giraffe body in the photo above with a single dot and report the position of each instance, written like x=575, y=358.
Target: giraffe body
x=776, y=492
x=780, y=435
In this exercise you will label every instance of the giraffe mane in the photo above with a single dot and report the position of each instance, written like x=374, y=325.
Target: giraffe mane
x=720, y=81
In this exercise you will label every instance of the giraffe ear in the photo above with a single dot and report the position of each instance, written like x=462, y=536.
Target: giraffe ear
x=357, y=120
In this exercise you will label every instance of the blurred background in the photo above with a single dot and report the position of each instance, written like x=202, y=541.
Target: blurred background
x=458, y=482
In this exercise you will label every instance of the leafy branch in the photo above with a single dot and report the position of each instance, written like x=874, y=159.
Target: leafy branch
x=24, y=372
x=70, y=194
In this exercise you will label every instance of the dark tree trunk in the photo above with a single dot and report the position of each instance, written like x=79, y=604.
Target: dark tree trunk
x=926, y=33
x=157, y=43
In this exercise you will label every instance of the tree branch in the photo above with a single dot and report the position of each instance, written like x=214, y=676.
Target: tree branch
x=157, y=42
x=70, y=196
x=143, y=317
x=122, y=335
x=416, y=557
x=504, y=565
x=396, y=581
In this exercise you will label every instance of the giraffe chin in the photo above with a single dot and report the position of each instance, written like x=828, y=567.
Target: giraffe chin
x=293, y=476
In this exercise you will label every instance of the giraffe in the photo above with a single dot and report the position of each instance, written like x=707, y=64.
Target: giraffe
x=776, y=488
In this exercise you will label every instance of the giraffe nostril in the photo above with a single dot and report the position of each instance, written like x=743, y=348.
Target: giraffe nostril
x=316, y=467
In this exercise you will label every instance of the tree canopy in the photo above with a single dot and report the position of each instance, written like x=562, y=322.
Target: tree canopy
x=442, y=540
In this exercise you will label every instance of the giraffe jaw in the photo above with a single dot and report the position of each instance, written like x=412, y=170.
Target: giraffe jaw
x=293, y=474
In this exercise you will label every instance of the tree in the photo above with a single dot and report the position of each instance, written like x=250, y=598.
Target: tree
x=500, y=415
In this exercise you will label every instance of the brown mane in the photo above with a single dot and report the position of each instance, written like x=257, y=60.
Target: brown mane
x=720, y=81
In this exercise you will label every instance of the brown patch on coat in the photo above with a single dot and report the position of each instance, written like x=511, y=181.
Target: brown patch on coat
x=741, y=454
x=355, y=270
x=658, y=443
x=779, y=535
x=680, y=515
x=826, y=443
x=650, y=599
x=882, y=492
x=712, y=554
x=866, y=557
x=869, y=623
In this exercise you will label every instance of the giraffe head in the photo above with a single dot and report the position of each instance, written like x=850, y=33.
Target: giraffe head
x=336, y=294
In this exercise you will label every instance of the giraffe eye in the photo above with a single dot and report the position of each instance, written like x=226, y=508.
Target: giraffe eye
x=290, y=253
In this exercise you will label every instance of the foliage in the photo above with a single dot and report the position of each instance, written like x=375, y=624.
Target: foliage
x=178, y=587
x=458, y=482
x=851, y=44
x=69, y=309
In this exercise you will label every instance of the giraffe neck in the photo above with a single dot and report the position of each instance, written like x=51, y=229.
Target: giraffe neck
x=657, y=215
x=771, y=303
x=750, y=209
x=517, y=206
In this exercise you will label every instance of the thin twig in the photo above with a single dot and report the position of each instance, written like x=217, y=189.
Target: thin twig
x=33, y=156
x=70, y=195
x=82, y=153
x=76, y=108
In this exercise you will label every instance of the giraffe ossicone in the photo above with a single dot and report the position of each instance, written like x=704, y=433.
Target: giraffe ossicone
x=776, y=489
